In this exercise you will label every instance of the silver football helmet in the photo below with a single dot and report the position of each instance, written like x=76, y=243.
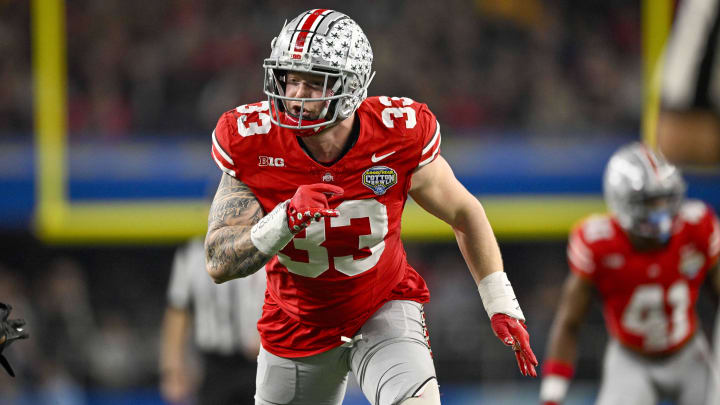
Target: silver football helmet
x=643, y=191
x=325, y=43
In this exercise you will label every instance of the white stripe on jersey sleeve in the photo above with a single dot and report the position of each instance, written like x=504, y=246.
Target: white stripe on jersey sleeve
x=220, y=150
x=432, y=141
x=430, y=159
x=580, y=255
x=220, y=164
x=435, y=141
x=579, y=263
x=577, y=245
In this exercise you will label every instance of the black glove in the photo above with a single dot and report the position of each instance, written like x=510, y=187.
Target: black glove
x=10, y=331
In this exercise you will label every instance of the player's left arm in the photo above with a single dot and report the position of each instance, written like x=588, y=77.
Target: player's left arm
x=436, y=189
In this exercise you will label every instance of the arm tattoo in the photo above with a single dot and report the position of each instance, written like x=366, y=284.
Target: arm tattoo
x=229, y=252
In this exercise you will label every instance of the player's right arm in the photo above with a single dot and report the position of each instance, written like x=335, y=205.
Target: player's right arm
x=240, y=240
x=561, y=352
x=229, y=250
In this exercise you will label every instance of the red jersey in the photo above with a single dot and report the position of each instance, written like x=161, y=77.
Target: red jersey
x=337, y=272
x=648, y=296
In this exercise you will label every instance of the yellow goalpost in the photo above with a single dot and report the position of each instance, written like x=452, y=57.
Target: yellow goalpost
x=656, y=23
x=57, y=219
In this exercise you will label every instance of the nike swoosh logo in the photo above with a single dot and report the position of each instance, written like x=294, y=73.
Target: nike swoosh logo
x=376, y=159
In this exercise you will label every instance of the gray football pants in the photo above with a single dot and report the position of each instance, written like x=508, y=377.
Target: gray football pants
x=632, y=379
x=391, y=362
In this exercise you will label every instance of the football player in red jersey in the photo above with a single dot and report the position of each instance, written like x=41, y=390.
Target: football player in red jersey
x=647, y=260
x=315, y=181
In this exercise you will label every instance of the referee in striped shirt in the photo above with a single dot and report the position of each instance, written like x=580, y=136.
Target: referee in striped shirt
x=224, y=319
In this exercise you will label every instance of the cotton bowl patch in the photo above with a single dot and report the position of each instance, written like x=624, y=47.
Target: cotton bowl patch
x=379, y=179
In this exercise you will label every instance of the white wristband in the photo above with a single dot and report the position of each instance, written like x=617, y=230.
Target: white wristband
x=272, y=233
x=553, y=388
x=498, y=296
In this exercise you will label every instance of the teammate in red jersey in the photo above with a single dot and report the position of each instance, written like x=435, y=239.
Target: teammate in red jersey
x=315, y=181
x=647, y=260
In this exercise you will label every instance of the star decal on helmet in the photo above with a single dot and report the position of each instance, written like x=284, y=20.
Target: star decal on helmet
x=331, y=45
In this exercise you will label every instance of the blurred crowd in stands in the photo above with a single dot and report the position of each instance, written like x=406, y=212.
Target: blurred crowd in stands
x=135, y=67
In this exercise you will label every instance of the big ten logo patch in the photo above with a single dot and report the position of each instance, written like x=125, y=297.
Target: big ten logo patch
x=271, y=161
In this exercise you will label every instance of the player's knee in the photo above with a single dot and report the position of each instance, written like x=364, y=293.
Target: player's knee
x=428, y=394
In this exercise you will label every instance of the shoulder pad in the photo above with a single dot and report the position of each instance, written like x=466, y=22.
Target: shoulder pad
x=414, y=120
x=580, y=256
x=234, y=126
x=597, y=228
x=395, y=112
x=693, y=211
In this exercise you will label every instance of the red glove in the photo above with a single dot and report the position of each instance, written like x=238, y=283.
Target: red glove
x=513, y=332
x=310, y=202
